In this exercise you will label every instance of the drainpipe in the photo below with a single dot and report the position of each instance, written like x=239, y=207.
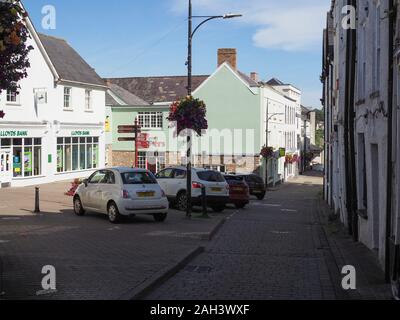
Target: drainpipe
x=351, y=186
x=389, y=178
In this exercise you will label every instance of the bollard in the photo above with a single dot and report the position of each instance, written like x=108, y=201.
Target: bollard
x=37, y=200
x=204, y=201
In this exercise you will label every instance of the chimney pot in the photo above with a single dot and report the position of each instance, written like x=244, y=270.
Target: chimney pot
x=228, y=55
x=254, y=76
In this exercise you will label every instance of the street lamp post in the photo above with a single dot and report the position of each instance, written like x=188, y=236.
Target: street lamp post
x=191, y=33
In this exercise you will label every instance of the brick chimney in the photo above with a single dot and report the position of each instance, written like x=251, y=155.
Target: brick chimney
x=254, y=76
x=227, y=55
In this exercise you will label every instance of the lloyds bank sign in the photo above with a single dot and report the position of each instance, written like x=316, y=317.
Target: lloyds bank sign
x=13, y=133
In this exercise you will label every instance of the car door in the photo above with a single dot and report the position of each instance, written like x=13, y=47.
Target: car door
x=92, y=193
x=178, y=181
x=105, y=191
x=164, y=179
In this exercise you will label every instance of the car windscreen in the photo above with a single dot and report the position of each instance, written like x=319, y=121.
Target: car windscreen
x=138, y=178
x=210, y=176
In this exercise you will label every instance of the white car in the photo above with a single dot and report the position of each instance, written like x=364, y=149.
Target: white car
x=121, y=192
x=173, y=182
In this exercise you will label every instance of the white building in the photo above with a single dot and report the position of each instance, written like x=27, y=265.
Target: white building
x=54, y=128
x=282, y=112
x=362, y=126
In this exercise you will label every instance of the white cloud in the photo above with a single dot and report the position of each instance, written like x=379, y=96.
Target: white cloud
x=289, y=25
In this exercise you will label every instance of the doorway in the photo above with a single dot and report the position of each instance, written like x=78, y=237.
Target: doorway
x=5, y=168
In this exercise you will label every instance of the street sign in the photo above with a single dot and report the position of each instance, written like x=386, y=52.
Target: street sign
x=126, y=139
x=129, y=129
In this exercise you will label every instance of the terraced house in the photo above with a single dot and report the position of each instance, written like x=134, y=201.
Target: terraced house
x=53, y=127
x=240, y=109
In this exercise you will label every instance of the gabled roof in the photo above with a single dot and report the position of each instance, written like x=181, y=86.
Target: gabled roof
x=158, y=89
x=69, y=65
x=125, y=96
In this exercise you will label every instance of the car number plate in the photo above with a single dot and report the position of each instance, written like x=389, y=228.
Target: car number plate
x=237, y=189
x=146, y=194
x=216, y=189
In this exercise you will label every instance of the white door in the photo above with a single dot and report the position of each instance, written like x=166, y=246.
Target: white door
x=5, y=167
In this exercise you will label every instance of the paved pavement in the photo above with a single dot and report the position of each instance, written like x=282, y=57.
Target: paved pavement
x=93, y=258
x=273, y=250
x=21, y=201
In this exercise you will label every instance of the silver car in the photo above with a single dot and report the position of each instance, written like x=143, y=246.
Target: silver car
x=121, y=192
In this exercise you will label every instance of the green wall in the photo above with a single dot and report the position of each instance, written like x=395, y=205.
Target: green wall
x=231, y=104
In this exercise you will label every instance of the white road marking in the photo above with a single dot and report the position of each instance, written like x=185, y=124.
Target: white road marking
x=11, y=219
x=289, y=210
x=4, y=241
x=280, y=232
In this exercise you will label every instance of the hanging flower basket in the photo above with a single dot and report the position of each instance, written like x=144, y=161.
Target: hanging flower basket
x=296, y=158
x=267, y=152
x=13, y=49
x=289, y=159
x=189, y=113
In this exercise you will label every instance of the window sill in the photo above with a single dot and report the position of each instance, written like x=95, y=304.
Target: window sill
x=360, y=102
x=89, y=111
x=28, y=178
x=375, y=95
x=363, y=213
x=68, y=110
x=13, y=104
x=152, y=129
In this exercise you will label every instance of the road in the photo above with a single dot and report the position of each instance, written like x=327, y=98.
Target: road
x=272, y=250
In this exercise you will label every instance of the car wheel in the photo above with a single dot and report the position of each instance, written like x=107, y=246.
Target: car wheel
x=240, y=205
x=218, y=208
x=113, y=213
x=78, y=207
x=181, y=201
x=160, y=217
x=261, y=197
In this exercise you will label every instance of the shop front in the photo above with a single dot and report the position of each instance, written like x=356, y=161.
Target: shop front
x=79, y=151
x=30, y=156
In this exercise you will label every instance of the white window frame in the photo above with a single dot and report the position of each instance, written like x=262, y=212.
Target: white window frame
x=10, y=95
x=151, y=120
x=69, y=94
x=88, y=100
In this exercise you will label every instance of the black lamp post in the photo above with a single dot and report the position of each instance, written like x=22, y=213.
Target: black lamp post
x=191, y=33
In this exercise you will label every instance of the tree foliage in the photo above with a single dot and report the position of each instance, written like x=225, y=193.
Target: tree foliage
x=13, y=48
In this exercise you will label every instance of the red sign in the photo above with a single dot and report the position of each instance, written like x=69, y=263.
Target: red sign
x=143, y=141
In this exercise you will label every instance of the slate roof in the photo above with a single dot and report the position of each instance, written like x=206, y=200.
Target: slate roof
x=247, y=79
x=124, y=95
x=69, y=64
x=275, y=82
x=158, y=89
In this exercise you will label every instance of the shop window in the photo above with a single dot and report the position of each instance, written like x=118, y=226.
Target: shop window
x=26, y=156
x=74, y=154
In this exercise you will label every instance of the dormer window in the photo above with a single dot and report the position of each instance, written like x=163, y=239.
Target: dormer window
x=67, y=98
x=12, y=97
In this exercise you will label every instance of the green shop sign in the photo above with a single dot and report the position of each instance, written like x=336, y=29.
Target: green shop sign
x=80, y=133
x=13, y=133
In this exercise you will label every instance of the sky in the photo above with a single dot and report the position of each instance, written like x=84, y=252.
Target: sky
x=281, y=39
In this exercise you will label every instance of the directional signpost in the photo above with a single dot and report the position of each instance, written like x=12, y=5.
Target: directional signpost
x=136, y=130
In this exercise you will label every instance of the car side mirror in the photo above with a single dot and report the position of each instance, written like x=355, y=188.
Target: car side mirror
x=85, y=182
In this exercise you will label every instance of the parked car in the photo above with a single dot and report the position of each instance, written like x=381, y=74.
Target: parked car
x=256, y=185
x=120, y=192
x=173, y=182
x=239, y=192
